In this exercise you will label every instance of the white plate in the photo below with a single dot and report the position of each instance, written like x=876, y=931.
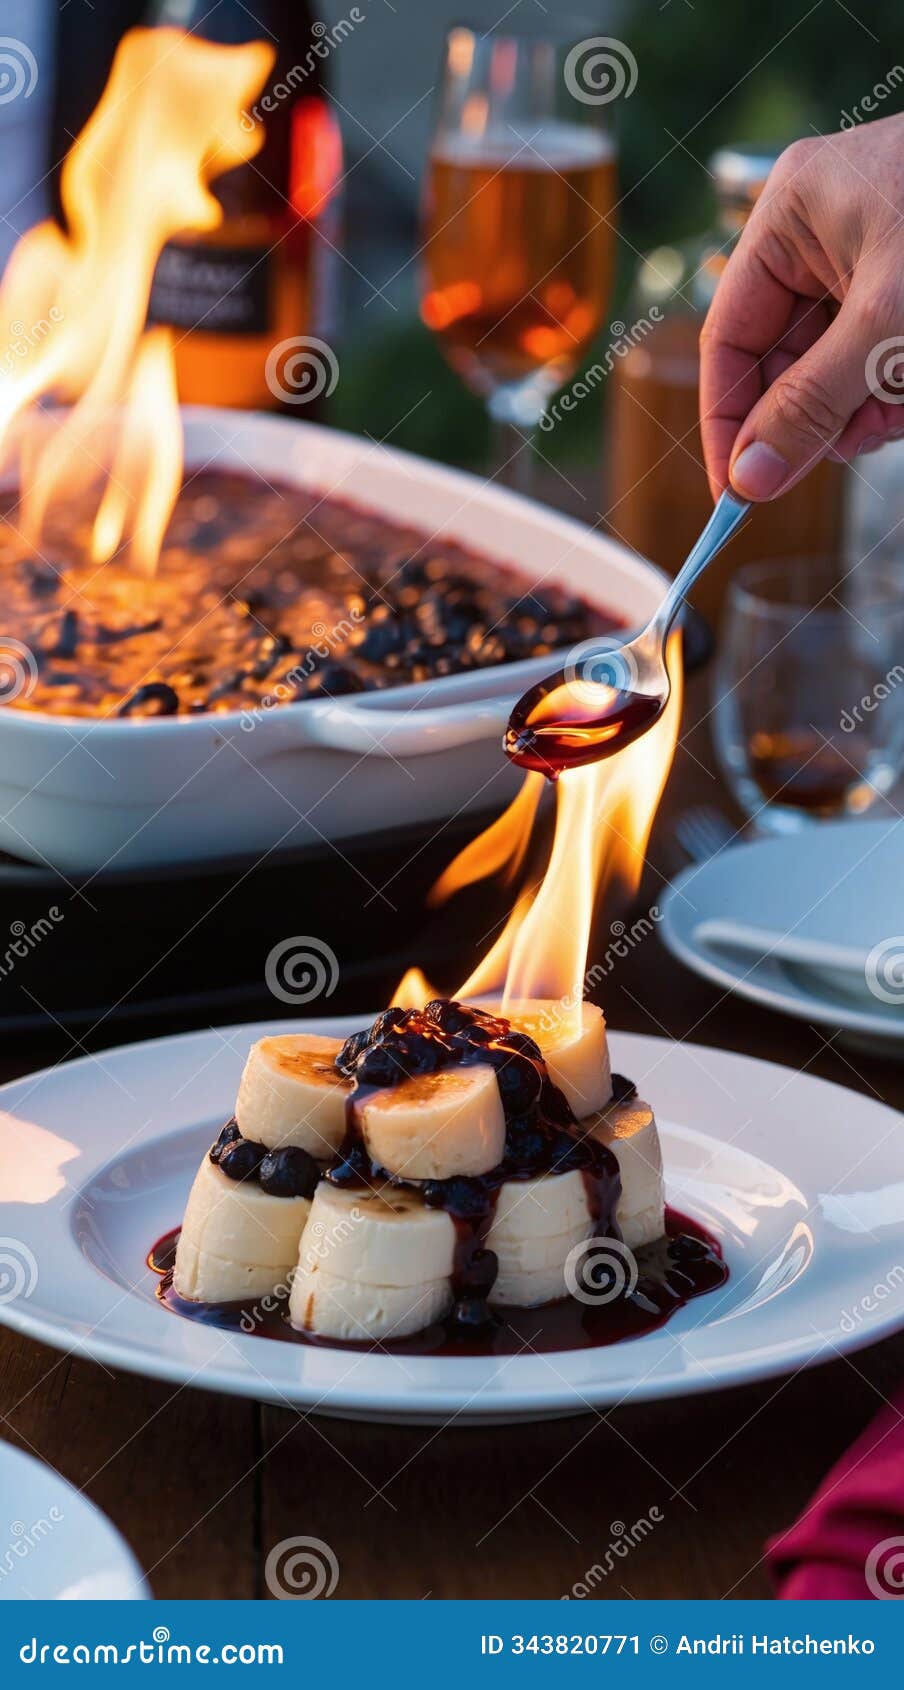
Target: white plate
x=54, y=1543
x=801, y=1181
x=837, y=885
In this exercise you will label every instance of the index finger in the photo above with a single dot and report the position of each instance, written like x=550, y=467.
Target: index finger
x=751, y=311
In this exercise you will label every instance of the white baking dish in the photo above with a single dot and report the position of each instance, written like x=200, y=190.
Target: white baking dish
x=86, y=795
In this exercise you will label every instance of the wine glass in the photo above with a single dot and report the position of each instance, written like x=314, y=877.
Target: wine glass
x=519, y=232
x=809, y=690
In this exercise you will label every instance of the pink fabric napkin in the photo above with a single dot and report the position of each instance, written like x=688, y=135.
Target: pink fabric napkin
x=849, y=1541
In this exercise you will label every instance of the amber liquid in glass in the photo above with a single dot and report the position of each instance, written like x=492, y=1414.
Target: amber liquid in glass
x=659, y=498
x=803, y=771
x=519, y=252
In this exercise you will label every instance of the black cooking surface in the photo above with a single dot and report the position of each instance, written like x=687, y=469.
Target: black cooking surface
x=189, y=946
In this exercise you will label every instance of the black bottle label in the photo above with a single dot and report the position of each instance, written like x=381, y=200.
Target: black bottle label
x=218, y=289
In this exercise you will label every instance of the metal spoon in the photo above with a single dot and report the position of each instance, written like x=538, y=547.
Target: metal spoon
x=606, y=697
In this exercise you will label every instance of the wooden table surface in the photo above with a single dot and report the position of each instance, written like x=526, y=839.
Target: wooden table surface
x=203, y=1486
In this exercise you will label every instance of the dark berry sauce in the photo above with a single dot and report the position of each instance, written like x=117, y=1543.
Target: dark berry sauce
x=559, y=725
x=684, y=1264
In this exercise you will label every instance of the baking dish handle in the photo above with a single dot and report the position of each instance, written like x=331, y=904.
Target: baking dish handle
x=367, y=731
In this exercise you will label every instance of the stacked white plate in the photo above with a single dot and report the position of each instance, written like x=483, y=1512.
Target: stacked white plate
x=812, y=924
x=58, y=1546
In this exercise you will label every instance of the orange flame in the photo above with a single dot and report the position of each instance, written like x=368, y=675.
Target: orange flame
x=169, y=121
x=604, y=815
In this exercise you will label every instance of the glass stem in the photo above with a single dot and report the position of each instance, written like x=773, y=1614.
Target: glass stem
x=512, y=454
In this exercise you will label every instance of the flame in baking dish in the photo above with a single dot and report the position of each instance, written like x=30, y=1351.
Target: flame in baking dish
x=168, y=122
x=604, y=814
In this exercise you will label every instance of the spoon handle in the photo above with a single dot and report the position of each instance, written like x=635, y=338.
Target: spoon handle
x=729, y=513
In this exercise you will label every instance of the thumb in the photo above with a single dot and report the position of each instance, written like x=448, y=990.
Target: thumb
x=806, y=407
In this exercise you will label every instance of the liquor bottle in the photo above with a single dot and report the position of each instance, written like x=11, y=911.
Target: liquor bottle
x=658, y=497
x=262, y=277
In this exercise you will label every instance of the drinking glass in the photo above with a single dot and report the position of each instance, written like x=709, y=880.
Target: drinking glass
x=519, y=233
x=809, y=690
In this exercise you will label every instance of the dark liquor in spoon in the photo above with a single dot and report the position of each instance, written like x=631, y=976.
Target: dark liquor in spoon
x=563, y=724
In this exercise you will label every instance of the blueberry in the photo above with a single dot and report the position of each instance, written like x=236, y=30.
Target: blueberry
x=353, y=1169
x=526, y=1146
x=416, y=1054
x=334, y=679
x=228, y=1135
x=385, y=636
x=519, y=1084
x=380, y=1066
x=289, y=1172
x=242, y=1159
x=470, y=1314
x=158, y=693
x=451, y=1016
x=467, y=1199
x=351, y=1050
x=386, y=1023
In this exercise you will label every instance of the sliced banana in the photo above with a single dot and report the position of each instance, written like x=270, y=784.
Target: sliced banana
x=435, y=1126
x=630, y=1131
x=373, y=1263
x=536, y=1224
x=328, y=1306
x=236, y=1240
x=530, y=1288
x=383, y=1235
x=577, y=1057
x=290, y=1093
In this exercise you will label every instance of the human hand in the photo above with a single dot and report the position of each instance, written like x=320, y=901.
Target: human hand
x=802, y=351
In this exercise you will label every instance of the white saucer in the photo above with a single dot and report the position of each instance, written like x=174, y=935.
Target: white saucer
x=831, y=895
x=801, y=1182
x=54, y=1544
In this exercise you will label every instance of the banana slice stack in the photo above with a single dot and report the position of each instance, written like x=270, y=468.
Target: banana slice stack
x=378, y=1260
x=244, y=1218
x=374, y=1263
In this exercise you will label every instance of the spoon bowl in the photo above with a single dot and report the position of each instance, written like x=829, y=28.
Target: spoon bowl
x=608, y=694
